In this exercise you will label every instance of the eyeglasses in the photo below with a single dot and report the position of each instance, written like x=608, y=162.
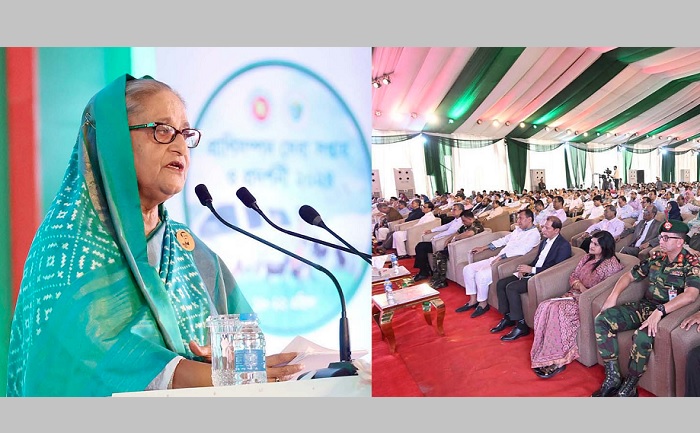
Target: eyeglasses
x=666, y=238
x=165, y=134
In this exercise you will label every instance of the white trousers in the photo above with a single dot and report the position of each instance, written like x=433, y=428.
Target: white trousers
x=399, y=238
x=477, y=277
x=382, y=233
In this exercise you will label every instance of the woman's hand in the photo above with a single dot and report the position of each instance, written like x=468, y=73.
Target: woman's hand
x=278, y=367
x=201, y=351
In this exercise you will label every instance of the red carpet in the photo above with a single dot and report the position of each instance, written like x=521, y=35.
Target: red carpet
x=468, y=361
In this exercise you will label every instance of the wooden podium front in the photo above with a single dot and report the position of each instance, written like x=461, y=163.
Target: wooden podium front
x=346, y=386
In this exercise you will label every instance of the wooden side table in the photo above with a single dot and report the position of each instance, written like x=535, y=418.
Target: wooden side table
x=383, y=311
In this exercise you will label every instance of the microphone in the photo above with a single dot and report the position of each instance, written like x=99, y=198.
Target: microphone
x=311, y=216
x=247, y=198
x=342, y=368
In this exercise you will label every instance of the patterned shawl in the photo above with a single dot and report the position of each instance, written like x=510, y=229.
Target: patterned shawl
x=93, y=317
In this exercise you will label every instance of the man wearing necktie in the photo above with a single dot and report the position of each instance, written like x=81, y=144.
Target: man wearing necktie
x=553, y=249
x=645, y=234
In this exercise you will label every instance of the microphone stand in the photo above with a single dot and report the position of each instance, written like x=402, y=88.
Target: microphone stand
x=305, y=212
x=253, y=205
x=334, y=369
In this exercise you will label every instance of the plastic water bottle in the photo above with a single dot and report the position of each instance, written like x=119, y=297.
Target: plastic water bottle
x=249, y=349
x=394, y=264
x=389, y=290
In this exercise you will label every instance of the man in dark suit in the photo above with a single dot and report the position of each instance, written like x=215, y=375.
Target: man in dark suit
x=553, y=249
x=416, y=212
x=645, y=235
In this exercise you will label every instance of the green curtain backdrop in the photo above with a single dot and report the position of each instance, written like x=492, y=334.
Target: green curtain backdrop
x=626, y=164
x=575, y=161
x=435, y=153
x=517, y=160
x=668, y=167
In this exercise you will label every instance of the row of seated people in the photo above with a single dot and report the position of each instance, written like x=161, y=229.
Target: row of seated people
x=583, y=283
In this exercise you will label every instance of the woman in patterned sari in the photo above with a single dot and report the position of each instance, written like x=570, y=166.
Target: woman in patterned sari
x=115, y=294
x=557, y=320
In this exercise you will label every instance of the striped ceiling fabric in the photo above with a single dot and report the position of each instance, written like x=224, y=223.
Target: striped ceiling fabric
x=636, y=98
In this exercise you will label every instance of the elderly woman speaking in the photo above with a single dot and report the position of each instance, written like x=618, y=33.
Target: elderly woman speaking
x=115, y=294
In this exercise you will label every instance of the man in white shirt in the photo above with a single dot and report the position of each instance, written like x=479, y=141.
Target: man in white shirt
x=426, y=247
x=658, y=201
x=616, y=177
x=478, y=276
x=624, y=210
x=688, y=210
x=399, y=237
x=575, y=205
x=558, y=209
x=553, y=249
x=613, y=225
x=595, y=211
x=540, y=213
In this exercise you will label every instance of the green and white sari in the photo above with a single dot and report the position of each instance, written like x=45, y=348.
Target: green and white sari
x=93, y=317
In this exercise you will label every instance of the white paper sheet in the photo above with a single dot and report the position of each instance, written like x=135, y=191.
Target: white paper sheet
x=313, y=356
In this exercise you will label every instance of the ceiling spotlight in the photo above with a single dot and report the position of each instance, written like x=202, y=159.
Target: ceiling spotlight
x=597, y=134
x=534, y=126
x=450, y=120
x=575, y=132
x=546, y=128
x=585, y=134
x=507, y=123
x=522, y=124
x=385, y=80
x=616, y=134
x=496, y=122
x=478, y=121
x=376, y=84
x=414, y=115
x=556, y=129
x=568, y=131
x=377, y=113
x=661, y=137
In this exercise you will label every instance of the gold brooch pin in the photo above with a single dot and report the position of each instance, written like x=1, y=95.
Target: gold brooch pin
x=185, y=239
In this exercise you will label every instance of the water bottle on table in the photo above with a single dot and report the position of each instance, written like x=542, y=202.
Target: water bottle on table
x=249, y=349
x=395, y=264
x=389, y=290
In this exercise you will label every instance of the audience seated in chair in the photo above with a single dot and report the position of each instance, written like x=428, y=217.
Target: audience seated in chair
x=478, y=275
x=553, y=249
x=673, y=283
x=557, y=320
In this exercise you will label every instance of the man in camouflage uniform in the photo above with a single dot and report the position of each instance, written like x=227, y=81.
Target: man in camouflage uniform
x=674, y=281
x=470, y=227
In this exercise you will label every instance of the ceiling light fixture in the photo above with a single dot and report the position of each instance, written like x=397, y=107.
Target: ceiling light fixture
x=478, y=121
x=556, y=129
x=377, y=113
x=546, y=128
x=414, y=115
x=376, y=84
x=450, y=120
x=496, y=122
x=507, y=123
x=522, y=124
x=385, y=80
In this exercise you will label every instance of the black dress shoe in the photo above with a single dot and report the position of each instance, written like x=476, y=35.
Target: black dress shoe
x=419, y=277
x=550, y=371
x=516, y=333
x=480, y=310
x=503, y=324
x=405, y=256
x=466, y=307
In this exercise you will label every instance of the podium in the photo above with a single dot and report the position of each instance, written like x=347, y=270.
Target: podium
x=345, y=386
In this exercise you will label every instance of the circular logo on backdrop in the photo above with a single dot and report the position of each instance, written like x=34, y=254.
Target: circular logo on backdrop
x=281, y=131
